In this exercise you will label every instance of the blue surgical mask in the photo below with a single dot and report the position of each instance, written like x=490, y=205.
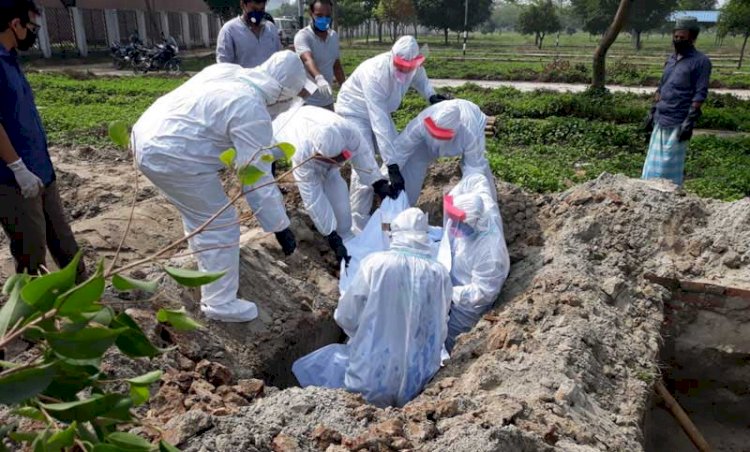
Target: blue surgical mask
x=322, y=23
x=255, y=17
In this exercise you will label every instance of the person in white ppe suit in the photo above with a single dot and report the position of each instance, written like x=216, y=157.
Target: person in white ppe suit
x=177, y=144
x=473, y=249
x=369, y=96
x=331, y=142
x=449, y=129
x=395, y=313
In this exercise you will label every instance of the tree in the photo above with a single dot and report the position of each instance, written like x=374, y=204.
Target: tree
x=696, y=5
x=351, y=13
x=449, y=14
x=735, y=19
x=505, y=15
x=600, y=55
x=648, y=15
x=224, y=8
x=644, y=15
x=395, y=12
x=539, y=19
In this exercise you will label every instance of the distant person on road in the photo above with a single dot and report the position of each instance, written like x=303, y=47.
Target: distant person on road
x=250, y=39
x=177, y=144
x=31, y=212
x=682, y=90
x=367, y=99
x=395, y=314
x=318, y=46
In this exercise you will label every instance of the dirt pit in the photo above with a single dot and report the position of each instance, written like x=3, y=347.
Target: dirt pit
x=566, y=360
x=707, y=359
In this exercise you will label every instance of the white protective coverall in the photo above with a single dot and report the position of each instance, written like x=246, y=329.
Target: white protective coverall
x=315, y=130
x=479, y=262
x=417, y=148
x=367, y=99
x=395, y=314
x=178, y=141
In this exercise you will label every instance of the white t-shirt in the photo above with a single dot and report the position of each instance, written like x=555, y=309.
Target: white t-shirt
x=325, y=52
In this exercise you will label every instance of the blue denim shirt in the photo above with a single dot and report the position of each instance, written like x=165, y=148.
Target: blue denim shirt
x=21, y=121
x=685, y=81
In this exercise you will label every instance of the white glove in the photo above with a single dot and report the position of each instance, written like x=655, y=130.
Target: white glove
x=324, y=87
x=30, y=184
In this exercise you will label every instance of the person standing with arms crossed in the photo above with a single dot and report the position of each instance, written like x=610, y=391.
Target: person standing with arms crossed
x=318, y=46
x=250, y=39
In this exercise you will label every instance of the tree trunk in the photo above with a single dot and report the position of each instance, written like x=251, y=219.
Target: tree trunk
x=541, y=40
x=445, y=30
x=600, y=55
x=742, y=52
x=415, y=30
x=380, y=31
x=367, y=32
x=637, y=40
x=536, y=39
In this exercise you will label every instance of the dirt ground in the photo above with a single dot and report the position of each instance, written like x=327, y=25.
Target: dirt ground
x=565, y=361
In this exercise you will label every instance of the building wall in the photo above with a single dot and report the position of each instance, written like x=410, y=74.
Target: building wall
x=190, y=6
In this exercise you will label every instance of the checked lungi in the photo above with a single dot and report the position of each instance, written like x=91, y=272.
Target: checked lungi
x=666, y=155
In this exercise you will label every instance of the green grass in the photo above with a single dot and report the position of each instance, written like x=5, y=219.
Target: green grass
x=546, y=141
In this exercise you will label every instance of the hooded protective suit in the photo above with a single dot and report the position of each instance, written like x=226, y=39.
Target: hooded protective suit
x=368, y=97
x=395, y=314
x=177, y=144
x=477, y=256
x=317, y=131
x=418, y=148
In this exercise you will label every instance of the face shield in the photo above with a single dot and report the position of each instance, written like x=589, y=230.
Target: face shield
x=338, y=159
x=404, y=68
x=437, y=132
x=462, y=214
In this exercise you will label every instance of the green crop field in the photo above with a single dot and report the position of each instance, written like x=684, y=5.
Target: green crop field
x=546, y=142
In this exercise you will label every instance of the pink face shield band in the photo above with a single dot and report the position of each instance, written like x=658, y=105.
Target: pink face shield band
x=405, y=65
x=437, y=132
x=453, y=212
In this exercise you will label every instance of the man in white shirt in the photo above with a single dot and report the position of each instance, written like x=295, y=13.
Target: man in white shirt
x=318, y=46
x=250, y=39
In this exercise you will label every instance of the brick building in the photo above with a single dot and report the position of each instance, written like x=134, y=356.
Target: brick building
x=81, y=26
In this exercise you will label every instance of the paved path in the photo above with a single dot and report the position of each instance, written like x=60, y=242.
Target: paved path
x=106, y=69
x=570, y=87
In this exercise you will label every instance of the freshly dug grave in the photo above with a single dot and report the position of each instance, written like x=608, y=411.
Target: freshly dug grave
x=565, y=361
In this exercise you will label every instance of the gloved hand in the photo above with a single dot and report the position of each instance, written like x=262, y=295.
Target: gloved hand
x=30, y=184
x=436, y=98
x=323, y=86
x=397, y=180
x=382, y=189
x=287, y=241
x=648, y=123
x=685, y=131
x=337, y=245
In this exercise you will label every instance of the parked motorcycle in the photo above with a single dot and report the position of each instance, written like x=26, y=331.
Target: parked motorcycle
x=162, y=57
x=123, y=55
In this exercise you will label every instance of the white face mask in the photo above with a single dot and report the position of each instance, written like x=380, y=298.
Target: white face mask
x=402, y=77
x=280, y=107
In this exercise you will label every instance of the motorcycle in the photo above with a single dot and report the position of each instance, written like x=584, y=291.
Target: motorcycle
x=122, y=56
x=162, y=57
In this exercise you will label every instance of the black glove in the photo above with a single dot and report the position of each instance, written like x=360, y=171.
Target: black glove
x=382, y=188
x=648, y=124
x=273, y=169
x=337, y=245
x=397, y=180
x=287, y=241
x=687, y=126
x=435, y=98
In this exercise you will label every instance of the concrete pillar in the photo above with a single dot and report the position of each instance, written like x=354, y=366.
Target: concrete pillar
x=164, y=25
x=80, y=31
x=140, y=20
x=113, y=25
x=43, y=39
x=205, y=32
x=185, y=23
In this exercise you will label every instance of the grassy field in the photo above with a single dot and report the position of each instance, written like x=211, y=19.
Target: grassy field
x=512, y=56
x=547, y=141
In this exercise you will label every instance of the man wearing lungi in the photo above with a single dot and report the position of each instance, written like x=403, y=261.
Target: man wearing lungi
x=682, y=90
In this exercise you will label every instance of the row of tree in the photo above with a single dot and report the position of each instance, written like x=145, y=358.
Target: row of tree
x=535, y=17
